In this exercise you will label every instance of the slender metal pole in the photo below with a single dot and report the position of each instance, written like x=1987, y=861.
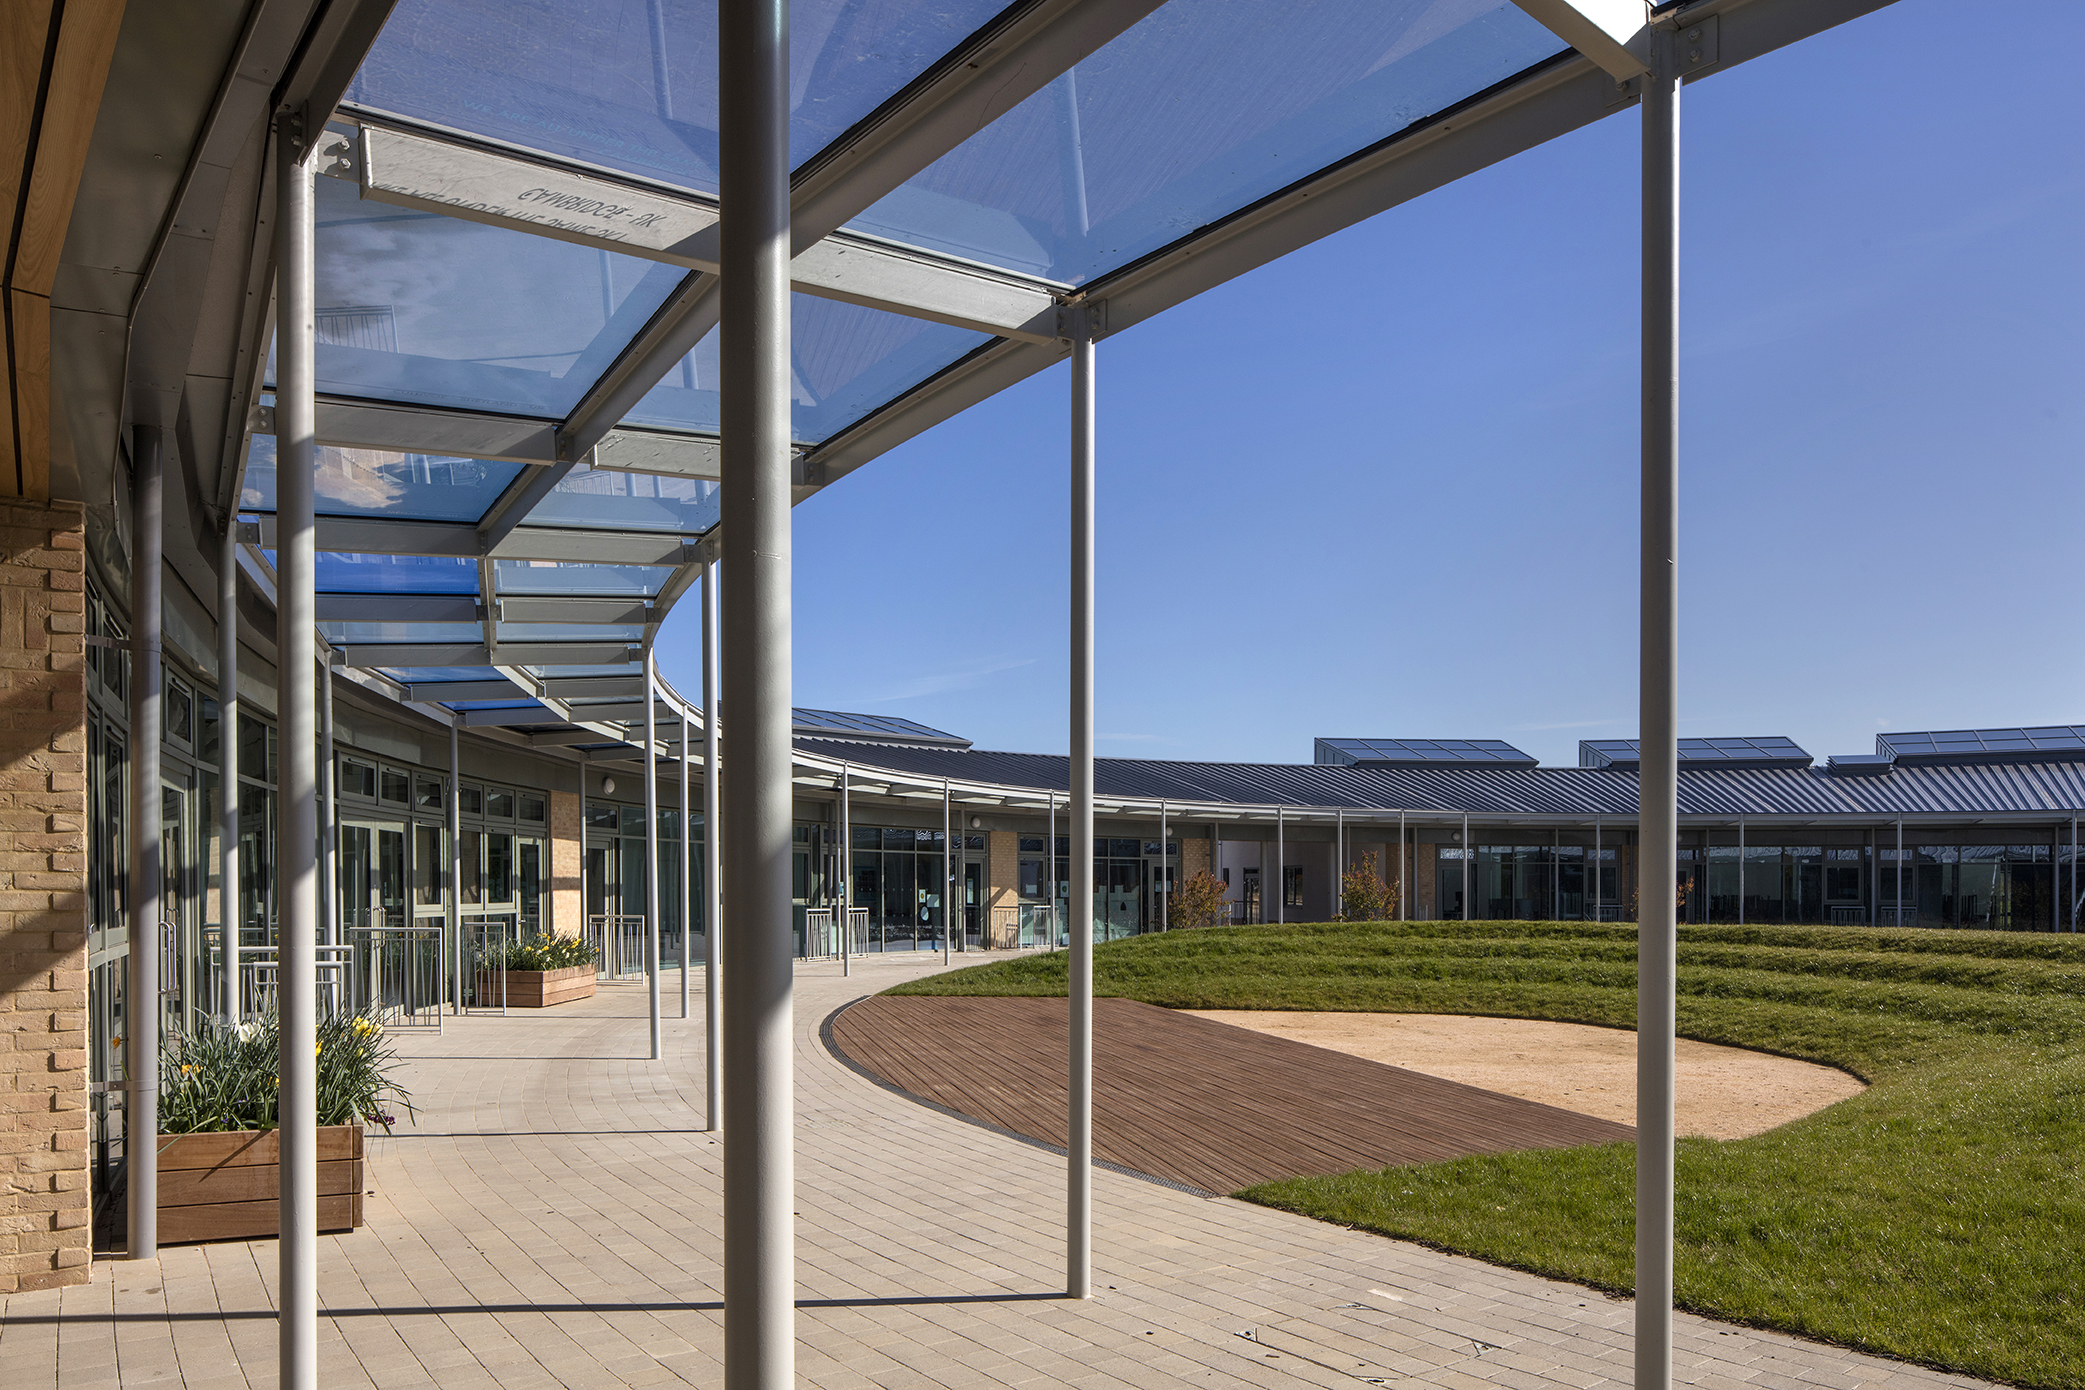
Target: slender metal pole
x=846, y=875
x=1599, y=867
x=684, y=869
x=759, y=1173
x=1658, y=698
x=1078, y=1218
x=1469, y=854
x=141, y=1063
x=1900, y=872
x=1281, y=894
x=1339, y=867
x=948, y=879
x=296, y=642
x=1404, y=886
x=329, y=834
x=228, y=896
x=1165, y=866
x=651, y=842
x=1741, y=870
x=1050, y=866
x=455, y=893
x=712, y=867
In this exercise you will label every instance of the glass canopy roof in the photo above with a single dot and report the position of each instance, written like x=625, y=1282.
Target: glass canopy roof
x=1419, y=752
x=477, y=338
x=2052, y=741
x=1698, y=752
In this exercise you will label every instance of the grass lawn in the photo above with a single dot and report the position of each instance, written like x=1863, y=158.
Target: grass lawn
x=1940, y=1216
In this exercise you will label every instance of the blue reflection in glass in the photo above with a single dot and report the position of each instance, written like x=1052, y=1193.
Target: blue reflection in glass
x=376, y=482
x=576, y=577
x=571, y=632
x=342, y=573
x=1200, y=109
x=598, y=498
x=338, y=633
x=845, y=361
x=417, y=307
x=595, y=81
x=423, y=674
x=631, y=670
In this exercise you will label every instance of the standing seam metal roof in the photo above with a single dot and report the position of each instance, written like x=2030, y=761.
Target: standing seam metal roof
x=1979, y=789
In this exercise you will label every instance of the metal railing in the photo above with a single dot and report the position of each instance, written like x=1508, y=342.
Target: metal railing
x=396, y=973
x=258, y=980
x=618, y=942
x=822, y=938
x=486, y=942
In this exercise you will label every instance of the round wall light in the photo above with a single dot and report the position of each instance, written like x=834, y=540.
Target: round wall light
x=608, y=786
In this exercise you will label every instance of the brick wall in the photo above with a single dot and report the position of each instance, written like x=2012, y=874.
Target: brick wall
x=45, y=1201
x=567, y=905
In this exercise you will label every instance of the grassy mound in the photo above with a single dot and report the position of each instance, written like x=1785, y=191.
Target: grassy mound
x=1939, y=1217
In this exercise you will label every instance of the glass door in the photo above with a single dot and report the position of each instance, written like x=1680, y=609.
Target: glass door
x=372, y=874
x=973, y=904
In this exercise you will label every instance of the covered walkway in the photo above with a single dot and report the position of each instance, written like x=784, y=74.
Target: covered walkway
x=553, y=1221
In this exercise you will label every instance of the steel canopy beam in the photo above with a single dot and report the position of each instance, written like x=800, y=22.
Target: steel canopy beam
x=412, y=654
x=397, y=608
x=386, y=536
x=420, y=169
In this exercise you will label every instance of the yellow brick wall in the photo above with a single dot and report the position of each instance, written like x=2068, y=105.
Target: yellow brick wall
x=567, y=905
x=45, y=1202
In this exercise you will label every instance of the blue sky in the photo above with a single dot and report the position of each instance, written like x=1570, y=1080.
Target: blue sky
x=1386, y=486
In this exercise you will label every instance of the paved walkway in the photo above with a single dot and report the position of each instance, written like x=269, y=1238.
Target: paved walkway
x=552, y=1221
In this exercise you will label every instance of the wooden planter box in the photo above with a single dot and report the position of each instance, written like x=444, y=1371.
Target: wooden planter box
x=536, y=989
x=226, y=1186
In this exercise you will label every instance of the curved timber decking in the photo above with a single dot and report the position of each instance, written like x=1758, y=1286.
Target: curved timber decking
x=1191, y=1100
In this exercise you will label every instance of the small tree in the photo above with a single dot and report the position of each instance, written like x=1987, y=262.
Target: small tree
x=1198, y=902
x=1364, y=895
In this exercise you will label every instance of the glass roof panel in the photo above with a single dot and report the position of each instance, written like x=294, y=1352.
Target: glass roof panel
x=424, y=675
x=338, y=633
x=376, y=482
x=2067, y=741
x=1416, y=751
x=574, y=577
x=632, y=84
x=432, y=310
x=1200, y=109
x=342, y=573
x=804, y=720
x=845, y=362
x=598, y=498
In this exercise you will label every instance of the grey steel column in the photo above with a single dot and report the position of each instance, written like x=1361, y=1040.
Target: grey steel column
x=329, y=833
x=1165, y=867
x=1078, y=1216
x=947, y=878
x=1050, y=866
x=141, y=1059
x=1339, y=868
x=1599, y=863
x=1469, y=855
x=1741, y=870
x=651, y=842
x=687, y=858
x=1900, y=872
x=455, y=893
x=1658, y=699
x=846, y=873
x=228, y=766
x=1404, y=886
x=712, y=873
x=297, y=809
x=759, y=1172
x=1281, y=896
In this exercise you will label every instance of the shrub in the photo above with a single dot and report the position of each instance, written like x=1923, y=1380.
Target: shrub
x=1199, y=901
x=541, y=952
x=1364, y=895
x=221, y=1078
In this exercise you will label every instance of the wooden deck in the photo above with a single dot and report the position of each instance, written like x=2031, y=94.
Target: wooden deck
x=1188, y=1099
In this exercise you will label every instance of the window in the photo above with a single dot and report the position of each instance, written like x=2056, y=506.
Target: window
x=1031, y=876
x=396, y=785
x=1292, y=886
x=499, y=803
x=533, y=809
x=601, y=818
x=427, y=793
x=180, y=712
x=1031, y=844
x=473, y=800
x=357, y=779
x=428, y=874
